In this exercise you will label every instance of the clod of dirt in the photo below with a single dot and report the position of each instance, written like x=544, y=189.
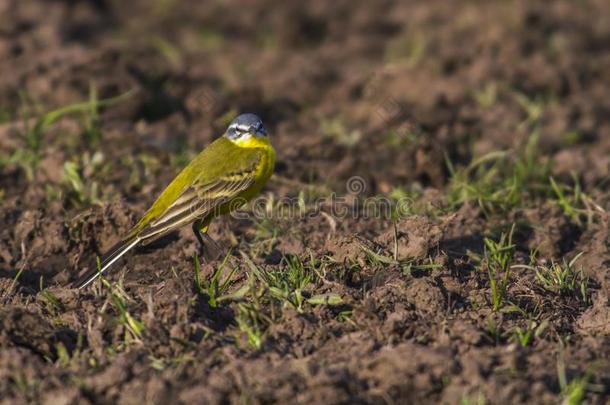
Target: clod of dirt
x=426, y=296
x=26, y=329
x=69, y=395
x=99, y=227
x=296, y=325
x=555, y=237
x=396, y=322
x=462, y=229
x=346, y=248
x=414, y=237
x=27, y=224
x=291, y=245
x=400, y=370
x=596, y=320
x=595, y=246
x=467, y=332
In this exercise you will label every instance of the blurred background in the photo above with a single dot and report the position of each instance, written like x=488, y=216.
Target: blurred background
x=386, y=90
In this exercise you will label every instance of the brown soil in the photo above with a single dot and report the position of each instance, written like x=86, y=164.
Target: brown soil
x=386, y=91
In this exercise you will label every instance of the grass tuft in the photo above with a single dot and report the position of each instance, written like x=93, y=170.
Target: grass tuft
x=28, y=157
x=573, y=390
x=134, y=328
x=287, y=283
x=501, y=180
x=498, y=256
x=563, y=278
x=215, y=287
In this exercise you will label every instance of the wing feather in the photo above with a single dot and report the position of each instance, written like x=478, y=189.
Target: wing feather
x=198, y=201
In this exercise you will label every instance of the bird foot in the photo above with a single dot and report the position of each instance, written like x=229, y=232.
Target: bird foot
x=210, y=250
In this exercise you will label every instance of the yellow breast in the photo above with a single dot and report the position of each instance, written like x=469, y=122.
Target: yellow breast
x=267, y=163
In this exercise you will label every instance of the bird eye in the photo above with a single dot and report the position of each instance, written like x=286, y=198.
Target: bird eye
x=246, y=125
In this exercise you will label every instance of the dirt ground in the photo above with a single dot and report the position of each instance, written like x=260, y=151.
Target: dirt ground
x=411, y=138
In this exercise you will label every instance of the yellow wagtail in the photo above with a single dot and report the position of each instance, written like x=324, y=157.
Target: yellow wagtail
x=225, y=175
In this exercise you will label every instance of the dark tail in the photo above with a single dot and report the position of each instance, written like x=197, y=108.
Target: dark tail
x=106, y=261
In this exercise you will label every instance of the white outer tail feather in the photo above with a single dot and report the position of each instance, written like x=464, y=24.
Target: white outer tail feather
x=90, y=277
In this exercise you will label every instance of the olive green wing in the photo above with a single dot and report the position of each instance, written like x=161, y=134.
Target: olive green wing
x=205, y=197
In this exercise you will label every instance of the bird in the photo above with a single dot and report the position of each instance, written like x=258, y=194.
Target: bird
x=225, y=175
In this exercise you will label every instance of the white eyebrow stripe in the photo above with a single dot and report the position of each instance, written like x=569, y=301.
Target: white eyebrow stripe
x=241, y=128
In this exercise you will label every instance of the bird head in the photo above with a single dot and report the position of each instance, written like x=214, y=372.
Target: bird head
x=244, y=127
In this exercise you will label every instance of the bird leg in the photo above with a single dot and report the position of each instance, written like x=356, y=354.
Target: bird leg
x=208, y=248
x=214, y=249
